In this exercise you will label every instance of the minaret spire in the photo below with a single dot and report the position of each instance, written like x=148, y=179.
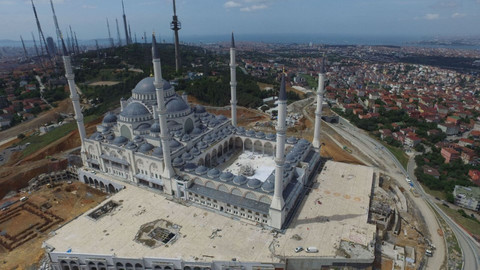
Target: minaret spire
x=233, y=82
x=74, y=97
x=168, y=171
x=318, y=111
x=277, y=213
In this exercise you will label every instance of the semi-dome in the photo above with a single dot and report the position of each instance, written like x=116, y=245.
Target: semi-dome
x=138, y=139
x=240, y=180
x=120, y=140
x=146, y=86
x=213, y=173
x=187, y=156
x=176, y=104
x=174, y=144
x=292, y=140
x=201, y=170
x=226, y=176
x=109, y=118
x=195, y=151
x=254, y=183
x=130, y=145
x=144, y=148
x=134, y=109
x=143, y=126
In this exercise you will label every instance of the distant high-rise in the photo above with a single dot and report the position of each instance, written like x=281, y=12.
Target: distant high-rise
x=51, y=45
x=175, y=26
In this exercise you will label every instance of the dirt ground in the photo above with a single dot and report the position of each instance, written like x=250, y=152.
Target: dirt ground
x=66, y=200
x=64, y=106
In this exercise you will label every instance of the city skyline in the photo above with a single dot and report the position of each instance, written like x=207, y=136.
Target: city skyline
x=212, y=17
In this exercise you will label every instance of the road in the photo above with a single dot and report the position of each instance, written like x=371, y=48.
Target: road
x=42, y=89
x=383, y=159
x=470, y=247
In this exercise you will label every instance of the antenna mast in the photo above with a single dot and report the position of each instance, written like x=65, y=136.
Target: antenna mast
x=175, y=26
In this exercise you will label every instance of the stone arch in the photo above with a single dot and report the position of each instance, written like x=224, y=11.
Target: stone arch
x=197, y=268
x=90, y=150
x=138, y=266
x=200, y=161
x=207, y=160
x=213, y=161
x=158, y=267
x=237, y=192
x=90, y=180
x=258, y=147
x=268, y=148
x=153, y=168
x=188, y=127
x=85, y=179
x=265, y=199
x=111, y=188
x=119, y=264
x=220, y=150
x=248, y=145
x=102, y=185
x=223, y=188
x=210, y=184
x=238, y=143
x=225, y=146
x=250, y=195
x=198, y=181
x=96, y=182
x=187, y=268
x=129, y=266
x=125, y=132
x=167, y=268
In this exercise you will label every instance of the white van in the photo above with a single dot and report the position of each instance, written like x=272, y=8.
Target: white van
x=312, y=250
x=22, y=199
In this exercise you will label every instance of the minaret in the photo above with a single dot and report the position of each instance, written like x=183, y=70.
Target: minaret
x=277, y=213
x=233, y=82
x=318, y=111
x=168, y=172
x=75, y=98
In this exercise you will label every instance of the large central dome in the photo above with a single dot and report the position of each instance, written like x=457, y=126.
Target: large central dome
x=146, y=86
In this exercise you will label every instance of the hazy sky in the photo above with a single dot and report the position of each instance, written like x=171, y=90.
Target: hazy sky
x=220, y=17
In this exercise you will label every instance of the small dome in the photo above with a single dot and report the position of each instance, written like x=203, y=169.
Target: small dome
x=254, y=183
x=240, y=180
x=110, y=137
x=120, y=140
x=240, y=130
x=187, y=156
x=304, y=142
x=174, y=144
x=110, y=118
x=177, y=162
x=260, y=135
x=288, y=167
x=291, y=157
x=226, y=176
x=270, y=136
x=176, y=104
x=250, y=133
x=201, y=170
x=196, y=131
x=292, y=140
x=144, y=148
x=213, y=173
x=134, y=109
x=200, y=109
x=202, y=145
x=131, y=146
x=268, y=187
x=138, y=139
x=221, y=118
x=155, y=128
x=185, y=138
x=213, y=123
x=190, y=167
x=195, y=151
x=158, y=151
x=98, y=137
x=178, y=134
x=94, y=135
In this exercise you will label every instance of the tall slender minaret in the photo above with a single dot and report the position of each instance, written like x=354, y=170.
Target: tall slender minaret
x=75, y=98
x=168, y=171
x=233, y=82
x=318, y=111
x=277, y=213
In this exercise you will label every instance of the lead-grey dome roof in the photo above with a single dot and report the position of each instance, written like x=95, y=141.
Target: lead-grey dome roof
x=134, y=109
x=176, y=104
x=146, y=86
x=110, y=118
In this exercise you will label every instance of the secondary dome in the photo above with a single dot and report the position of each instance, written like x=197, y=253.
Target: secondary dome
x=146, y=86
x=134, y=109
x=176, y=104
x=109, y=118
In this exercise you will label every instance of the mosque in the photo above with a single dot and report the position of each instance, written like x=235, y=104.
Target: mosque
x=160, y=141
x=183, y=197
